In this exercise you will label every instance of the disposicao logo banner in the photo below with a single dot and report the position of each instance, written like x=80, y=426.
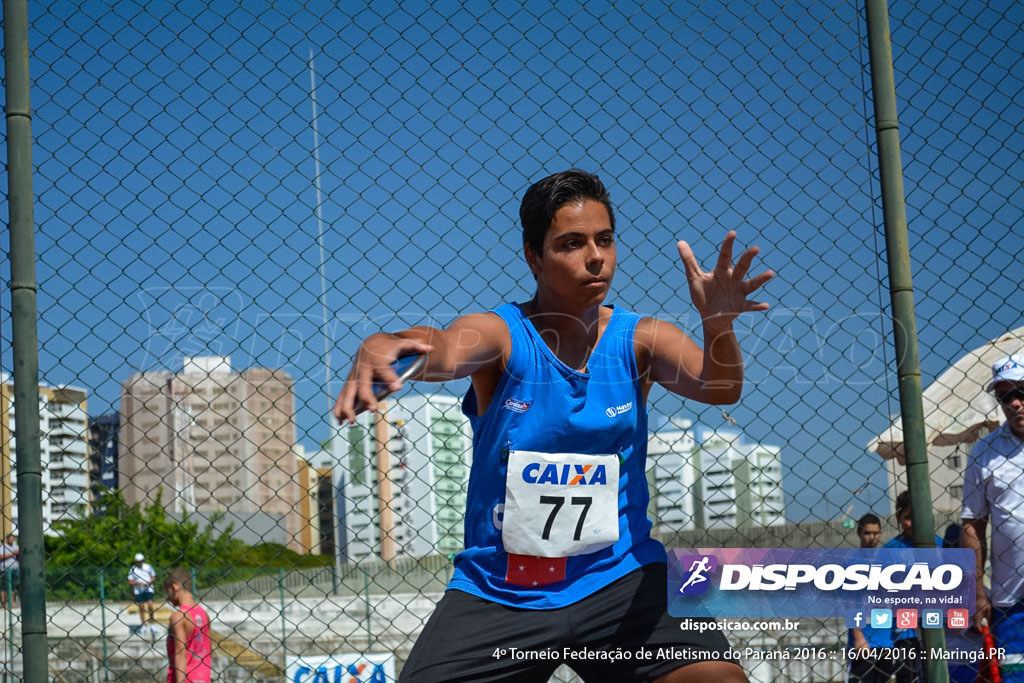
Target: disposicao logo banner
x=817, y=582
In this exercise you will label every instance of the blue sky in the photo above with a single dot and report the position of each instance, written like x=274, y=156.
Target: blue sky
x=176, y=202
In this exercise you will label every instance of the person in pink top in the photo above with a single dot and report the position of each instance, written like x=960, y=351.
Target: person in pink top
x=188, y=632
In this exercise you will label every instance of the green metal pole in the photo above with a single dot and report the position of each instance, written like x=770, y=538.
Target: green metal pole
x=901, y=290
x=103, y=626
x=25, y=342
x=9, y=608
x=366, y=585
x=284, y=629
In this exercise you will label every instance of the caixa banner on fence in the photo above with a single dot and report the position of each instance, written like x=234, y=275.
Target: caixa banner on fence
x=348, y=667
x=817, y=582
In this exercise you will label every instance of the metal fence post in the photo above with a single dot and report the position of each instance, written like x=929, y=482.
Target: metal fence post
x=284, y=629
x=103, y=626
x=366, y=586
x=25, y=342
x=883, y=83
x=9, y=610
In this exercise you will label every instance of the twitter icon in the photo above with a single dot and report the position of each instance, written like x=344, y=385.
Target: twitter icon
x=881, y=618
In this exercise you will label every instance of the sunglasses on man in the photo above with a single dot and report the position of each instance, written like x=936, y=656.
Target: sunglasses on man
x=1007, y=397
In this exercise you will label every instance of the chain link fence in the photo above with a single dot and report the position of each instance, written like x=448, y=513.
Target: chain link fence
x=228, y=198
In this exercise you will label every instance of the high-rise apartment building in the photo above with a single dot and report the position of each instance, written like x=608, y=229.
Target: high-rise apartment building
x=327, y=497
x=671, y=477
x=738, y=484
x=103, y=443
x=63, y=451
x=211, y=439
x=429, y=446
x=330, y=498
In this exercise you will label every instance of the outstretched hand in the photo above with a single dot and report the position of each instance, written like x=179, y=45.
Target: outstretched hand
x=373, y=363
x=721, y=295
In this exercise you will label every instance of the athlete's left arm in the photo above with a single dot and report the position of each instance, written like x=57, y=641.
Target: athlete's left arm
x=668, y=356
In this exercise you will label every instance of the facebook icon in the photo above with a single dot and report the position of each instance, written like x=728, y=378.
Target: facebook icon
x=854, y=618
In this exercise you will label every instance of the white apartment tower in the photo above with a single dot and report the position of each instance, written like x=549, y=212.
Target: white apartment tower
x=738, y=484
x=63, y=452
x=429, y=446
x=671, y=477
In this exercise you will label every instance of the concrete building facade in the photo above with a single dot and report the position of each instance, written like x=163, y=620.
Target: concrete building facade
x=308, y=505
x=210, y=439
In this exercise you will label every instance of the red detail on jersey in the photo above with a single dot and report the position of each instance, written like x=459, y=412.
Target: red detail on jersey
x=530, y=571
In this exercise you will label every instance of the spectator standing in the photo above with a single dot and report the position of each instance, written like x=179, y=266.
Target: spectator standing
x=994, y=491
x=867, y=668
x=141, y=578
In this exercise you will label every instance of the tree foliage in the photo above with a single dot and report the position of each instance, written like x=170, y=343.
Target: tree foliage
x=81, y=550
x=112, y=538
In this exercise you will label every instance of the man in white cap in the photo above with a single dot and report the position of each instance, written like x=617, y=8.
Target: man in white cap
x=141, y=578
x=994, y=489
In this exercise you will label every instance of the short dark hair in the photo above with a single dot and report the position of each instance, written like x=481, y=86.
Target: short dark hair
x=868, y=518
x=902, y=502
x=546, y=196
x=182, y=577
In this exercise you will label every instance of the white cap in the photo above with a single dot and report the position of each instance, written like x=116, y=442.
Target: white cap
x=1008, y=369
x=139, y=557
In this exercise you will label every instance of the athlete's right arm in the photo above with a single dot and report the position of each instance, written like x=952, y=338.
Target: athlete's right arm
x=473, y=343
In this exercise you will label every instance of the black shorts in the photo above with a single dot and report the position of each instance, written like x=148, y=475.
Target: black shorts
x=625, y=623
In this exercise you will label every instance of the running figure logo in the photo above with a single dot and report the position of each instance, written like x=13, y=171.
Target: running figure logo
x=695, y=581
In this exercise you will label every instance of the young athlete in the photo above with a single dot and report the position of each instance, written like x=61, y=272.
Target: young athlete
x=559, y=557
x=188, y=632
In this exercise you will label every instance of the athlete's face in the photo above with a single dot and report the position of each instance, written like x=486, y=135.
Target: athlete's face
x=578, y=260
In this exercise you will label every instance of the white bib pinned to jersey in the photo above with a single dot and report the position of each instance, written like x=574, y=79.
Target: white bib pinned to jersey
x=560, y=504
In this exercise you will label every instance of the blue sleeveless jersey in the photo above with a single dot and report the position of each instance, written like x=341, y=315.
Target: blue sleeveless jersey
x=541, y=404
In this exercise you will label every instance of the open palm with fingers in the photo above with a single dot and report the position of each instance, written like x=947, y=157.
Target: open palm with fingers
x=721, y=294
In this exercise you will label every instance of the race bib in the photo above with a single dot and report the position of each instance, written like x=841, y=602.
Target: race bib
x=560, y=504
